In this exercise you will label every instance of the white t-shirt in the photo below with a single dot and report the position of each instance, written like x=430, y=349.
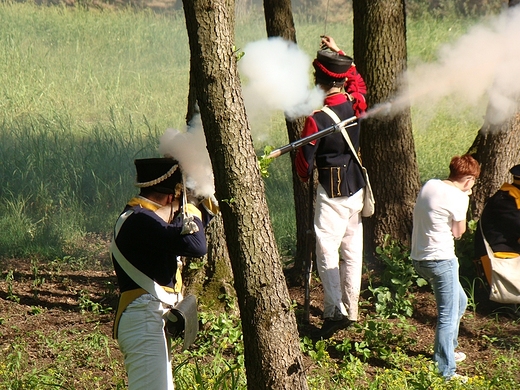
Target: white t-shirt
x=438, y=205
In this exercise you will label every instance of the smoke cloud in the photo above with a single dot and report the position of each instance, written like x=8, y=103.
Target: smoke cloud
x=484, y=63
x=189, y=149
x=277, y=78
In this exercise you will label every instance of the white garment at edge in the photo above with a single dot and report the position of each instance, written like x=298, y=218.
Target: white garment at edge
x=338, y=226
x=438, y=204
x=145, y=347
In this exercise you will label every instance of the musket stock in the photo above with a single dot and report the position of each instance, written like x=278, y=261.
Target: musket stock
x=320, y=134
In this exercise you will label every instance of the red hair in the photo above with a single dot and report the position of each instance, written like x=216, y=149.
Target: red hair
x=464, y=165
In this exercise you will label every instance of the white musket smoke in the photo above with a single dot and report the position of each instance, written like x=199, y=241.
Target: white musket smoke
x=482, y=64
x=189, y=149
x=276, y=76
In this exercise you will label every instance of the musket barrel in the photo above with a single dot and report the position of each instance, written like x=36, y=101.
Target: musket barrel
x=306, y=140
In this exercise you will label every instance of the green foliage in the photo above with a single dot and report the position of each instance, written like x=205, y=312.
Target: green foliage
x=87, y=305
x=75, y=355
x=9, y=278
x=465, y=250
x=394, y=296
x=449, y=9
x=264, y=162
x=386, y=341
x=217, y=362
x=470, y=287
x=217, y=359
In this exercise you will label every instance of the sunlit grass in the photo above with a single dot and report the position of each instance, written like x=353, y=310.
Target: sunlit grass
x=83, y=93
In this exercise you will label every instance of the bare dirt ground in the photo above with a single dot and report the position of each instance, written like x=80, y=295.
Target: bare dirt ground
x=56, y=305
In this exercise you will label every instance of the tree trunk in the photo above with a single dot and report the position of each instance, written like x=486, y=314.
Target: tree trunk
x=271, y=344
x=492, y=149
x=213, y=277
x=387, y=146
x=280, y=23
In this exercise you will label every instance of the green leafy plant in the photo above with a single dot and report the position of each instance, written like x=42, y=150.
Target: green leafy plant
x=86, y=304
x=264, y=162
x=470, y=288
x=9, y=278
x=394, y=297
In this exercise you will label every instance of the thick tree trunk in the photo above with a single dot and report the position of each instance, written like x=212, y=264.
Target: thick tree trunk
x=280, y=23
x=272, y=355
x=214, y=276
x=387, y=146
x=497, y=149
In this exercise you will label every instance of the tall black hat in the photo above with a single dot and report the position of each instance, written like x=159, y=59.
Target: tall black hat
x=331, y=67
x=160, y=174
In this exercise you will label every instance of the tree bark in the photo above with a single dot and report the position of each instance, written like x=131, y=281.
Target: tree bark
x=214, y=277
x=280, y=23
x=272, y=352
x=387, y=146
x=492, y=149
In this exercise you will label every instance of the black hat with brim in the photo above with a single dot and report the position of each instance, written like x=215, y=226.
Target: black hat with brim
x=160, y=174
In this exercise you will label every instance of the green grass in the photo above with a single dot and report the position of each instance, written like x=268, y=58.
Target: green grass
x=83, y=93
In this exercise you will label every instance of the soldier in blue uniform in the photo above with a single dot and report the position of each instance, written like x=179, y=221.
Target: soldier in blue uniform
x=500, y=223
x=152, y=238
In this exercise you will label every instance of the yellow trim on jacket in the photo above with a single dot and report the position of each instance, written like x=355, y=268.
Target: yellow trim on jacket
x=513, y=191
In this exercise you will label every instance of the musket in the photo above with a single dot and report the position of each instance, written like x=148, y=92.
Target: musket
x=310, y=252
x=320, y=134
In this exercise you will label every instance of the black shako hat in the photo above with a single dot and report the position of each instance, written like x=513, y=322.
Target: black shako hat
x=330, y=67
x=515, y=171
x=160, y=174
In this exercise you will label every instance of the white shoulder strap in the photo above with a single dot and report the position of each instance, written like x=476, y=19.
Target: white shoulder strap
x=489, y=251
x=327, y=110
x=136, y=275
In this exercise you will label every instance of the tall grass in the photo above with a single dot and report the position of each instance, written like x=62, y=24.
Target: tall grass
x=83, y=93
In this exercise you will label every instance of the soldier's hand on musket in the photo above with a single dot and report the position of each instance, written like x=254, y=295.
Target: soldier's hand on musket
x=329, y=42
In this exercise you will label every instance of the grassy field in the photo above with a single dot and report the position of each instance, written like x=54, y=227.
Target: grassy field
x=83, y=93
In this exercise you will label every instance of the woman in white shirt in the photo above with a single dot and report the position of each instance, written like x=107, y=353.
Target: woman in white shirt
x=439, y=218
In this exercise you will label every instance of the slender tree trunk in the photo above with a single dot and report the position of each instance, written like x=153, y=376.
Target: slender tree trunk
x=215, y=276
x=280, y=23
x=387, y=146
x=272, y=355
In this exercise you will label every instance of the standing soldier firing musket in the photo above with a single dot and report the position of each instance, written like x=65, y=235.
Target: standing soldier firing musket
x=339, y=198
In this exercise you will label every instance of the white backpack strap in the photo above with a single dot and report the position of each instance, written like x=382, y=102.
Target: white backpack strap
x=327, y=110
x=489, y=251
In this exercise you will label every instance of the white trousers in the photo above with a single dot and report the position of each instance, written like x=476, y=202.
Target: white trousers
x=339, y=251
x=144, y=345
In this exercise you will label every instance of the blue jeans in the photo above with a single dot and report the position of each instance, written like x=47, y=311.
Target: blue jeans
x=443, y=275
